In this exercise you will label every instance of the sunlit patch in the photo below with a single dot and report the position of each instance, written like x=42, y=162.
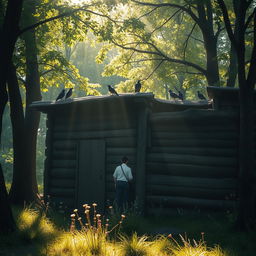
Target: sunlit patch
x=78, y=2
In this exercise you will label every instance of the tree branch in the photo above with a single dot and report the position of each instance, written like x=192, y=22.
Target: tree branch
x=250, y=19
x=227, y=22
x=166, y=21
x=188, y=11
x=159, y=64
x=65, y=14
x=147, y=13
x=186, y=42
x=158, y=53
x=62, y=15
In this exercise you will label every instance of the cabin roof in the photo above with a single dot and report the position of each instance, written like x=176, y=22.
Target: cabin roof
x=158, y=104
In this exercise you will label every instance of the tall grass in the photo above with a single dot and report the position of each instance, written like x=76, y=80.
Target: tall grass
x=89, y=235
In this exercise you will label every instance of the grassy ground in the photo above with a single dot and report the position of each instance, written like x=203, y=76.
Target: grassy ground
x=135, y=236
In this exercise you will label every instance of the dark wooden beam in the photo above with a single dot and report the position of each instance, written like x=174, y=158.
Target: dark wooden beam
x=142, y=135
x=48, y=154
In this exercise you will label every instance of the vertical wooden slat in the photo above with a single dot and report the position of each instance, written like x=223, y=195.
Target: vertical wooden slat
x=48, y=154
x=142, y=135
x=91, y=173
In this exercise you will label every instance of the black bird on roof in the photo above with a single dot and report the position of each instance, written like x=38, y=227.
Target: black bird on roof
x=61, y=95
x=173, y=95
x=200, y=96
x=69, y=93
x=112, y=90
x=138, y=86
x=180, y=94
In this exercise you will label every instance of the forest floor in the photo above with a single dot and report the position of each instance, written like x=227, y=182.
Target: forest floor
x=213, y=229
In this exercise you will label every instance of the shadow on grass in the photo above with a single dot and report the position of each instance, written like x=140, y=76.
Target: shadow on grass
x=34, y=232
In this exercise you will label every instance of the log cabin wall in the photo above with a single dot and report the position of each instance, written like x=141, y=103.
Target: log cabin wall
x=183, y=155
x=192, y=162
x=113, y=122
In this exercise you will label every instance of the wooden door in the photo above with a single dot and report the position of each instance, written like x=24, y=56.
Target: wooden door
x=91, y=173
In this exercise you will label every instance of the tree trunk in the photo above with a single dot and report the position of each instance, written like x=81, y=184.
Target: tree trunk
x=205, y=15
x=7, y=223
x=19, y=189
x=232, y=69
x=25, y=188
x=33, y=93
x=8, y=39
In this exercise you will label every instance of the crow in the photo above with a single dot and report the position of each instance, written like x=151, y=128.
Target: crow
x=112, y=90
x=61, y=95
x=69, y=93
x=173, y=95
x=180, y=94
x=200, y=96
x=138, y=86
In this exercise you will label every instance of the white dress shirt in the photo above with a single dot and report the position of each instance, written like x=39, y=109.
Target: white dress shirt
x=119, y=175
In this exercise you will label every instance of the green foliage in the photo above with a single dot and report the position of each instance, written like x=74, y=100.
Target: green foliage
x=134, y=246
x=34, y=226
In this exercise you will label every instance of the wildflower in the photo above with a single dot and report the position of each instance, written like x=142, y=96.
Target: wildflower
x=94, y=204
x=75, y=210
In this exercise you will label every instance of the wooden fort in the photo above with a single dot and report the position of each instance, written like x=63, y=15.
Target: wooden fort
x=182, y=155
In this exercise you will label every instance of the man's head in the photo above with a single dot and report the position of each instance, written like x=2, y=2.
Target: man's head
x=125, y=159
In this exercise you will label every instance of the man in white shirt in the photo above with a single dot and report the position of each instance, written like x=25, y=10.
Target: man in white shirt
x=122, y=176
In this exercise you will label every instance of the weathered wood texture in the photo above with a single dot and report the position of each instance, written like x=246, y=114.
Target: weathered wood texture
x=71, y=135
x=48, y=153
x=142, y=136
x=190, y=170
x=90, y=182
x=62, y=171
x=185, y=202
x=186, y=158
x=193, y=192
x=193, y=160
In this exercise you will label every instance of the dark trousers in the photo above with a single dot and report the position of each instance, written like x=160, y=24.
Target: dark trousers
x=122, y=194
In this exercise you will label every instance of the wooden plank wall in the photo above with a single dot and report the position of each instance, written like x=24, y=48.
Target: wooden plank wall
x=192, y=162
x=119, y=135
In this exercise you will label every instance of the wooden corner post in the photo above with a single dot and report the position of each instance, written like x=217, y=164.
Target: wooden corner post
x=142, y=135
x=48, y=153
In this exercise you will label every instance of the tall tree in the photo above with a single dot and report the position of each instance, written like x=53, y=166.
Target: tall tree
x=245, y=12
x=9, y=35
x=25, y=126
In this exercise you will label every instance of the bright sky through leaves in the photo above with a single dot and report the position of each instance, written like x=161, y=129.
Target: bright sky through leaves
x=75, y=2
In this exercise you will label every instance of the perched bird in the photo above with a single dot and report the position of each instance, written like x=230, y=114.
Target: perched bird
x=200, y=96
x=181, y=96
x=173, y=95
x=61, y=95
x=138, y=86
x=112, y=90
x=69, y=93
